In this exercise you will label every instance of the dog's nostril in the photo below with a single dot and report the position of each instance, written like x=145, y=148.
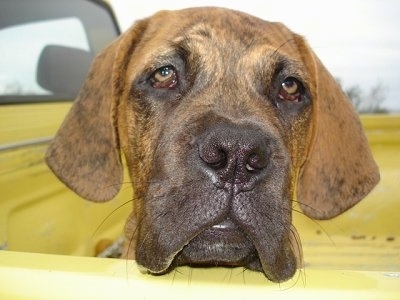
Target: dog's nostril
x=218, y=160
x=213, y=155
x=256, y=161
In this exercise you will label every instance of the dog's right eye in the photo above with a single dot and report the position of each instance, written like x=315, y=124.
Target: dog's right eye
x=165, y=77
x=290, y=90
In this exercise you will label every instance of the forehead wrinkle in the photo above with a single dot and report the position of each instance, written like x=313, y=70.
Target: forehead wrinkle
x=266, y=56
x=199, y=31
x=201, y=49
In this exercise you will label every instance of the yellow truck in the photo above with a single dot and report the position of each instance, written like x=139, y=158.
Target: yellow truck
x=48, y=235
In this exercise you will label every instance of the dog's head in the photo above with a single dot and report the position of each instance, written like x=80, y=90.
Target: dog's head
x=225, y=120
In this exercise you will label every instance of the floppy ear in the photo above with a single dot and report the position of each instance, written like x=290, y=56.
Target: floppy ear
x=339, y=170
x=85, y=152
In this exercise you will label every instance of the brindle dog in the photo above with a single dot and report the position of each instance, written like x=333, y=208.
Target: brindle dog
x=225, y=120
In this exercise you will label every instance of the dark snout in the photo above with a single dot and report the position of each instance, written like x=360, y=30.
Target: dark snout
x=223, y=201
x=244, y=162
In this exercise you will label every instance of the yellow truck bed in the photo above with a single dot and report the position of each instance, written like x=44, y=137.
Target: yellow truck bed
x=48, y=242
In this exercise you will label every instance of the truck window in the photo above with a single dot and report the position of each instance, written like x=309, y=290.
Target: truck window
x=19, y=63
x=46, y=47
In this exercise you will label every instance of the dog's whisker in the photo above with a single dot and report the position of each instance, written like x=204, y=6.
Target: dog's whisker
x=282, y=45
x=306, y=205
x=146, y=236
x=131, y=241
x=133, y=232
x=298, y=212
x=175, y=271
x=317, y=223
x=297, y=248
x=109, y=216
x=243, y=272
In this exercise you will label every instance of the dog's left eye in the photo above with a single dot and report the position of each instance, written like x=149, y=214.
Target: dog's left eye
x=164, y=78
x=290, y=90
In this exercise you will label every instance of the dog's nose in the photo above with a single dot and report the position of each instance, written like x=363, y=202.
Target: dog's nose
x=234, y=156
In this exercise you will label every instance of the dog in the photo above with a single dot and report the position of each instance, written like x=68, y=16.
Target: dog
x=225, y=120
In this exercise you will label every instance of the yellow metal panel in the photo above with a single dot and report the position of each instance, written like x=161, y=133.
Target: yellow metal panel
x=27, y=122
x=354, y=256
x=38, y=276
x=37, y=212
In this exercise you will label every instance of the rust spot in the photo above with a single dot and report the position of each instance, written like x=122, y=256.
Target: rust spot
x=390, y=238
x=358, y=237
x=102, y=245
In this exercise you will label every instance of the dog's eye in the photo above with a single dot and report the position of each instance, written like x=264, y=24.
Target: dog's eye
x=290, y=90
x=164, y=78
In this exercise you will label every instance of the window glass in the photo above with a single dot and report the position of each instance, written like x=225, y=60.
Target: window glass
x=47, y=46
x=25, y=43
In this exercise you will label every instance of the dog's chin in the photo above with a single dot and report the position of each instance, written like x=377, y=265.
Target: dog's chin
x=227, y=245
x=223, y=244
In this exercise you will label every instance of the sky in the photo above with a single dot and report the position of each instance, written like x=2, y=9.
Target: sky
x=357, y=40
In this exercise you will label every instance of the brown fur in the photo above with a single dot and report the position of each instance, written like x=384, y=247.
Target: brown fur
x=186, y=211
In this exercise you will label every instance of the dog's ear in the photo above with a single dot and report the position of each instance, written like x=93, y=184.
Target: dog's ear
x=339, y=170
x=85, y=152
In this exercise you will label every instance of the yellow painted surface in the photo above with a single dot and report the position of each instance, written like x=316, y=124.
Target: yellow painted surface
x=39, y=276
x=37, y=212
x=23, y=122
x=354, y=256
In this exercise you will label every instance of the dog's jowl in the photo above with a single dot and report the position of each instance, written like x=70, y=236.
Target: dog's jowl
x=225, y=120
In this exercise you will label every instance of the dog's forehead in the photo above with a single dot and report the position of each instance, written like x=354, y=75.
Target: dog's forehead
x=218, y=23
x=217, y=26
x=215, y=39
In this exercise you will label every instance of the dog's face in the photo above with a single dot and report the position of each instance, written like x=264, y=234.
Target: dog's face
x=214, y=111
x=225, y=109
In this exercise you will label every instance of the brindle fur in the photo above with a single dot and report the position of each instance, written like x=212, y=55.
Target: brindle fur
x=230, y=66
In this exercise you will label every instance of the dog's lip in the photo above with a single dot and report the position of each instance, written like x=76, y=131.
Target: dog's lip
x=227, y=224
x=221, y=244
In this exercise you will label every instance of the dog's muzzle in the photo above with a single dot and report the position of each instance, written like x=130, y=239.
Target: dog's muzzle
x=236, y=210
